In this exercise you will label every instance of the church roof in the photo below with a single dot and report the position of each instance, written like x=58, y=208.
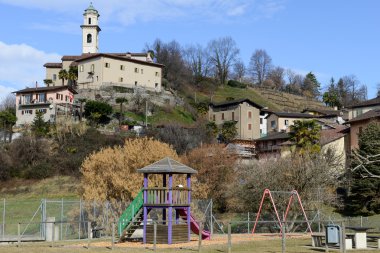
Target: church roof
x=90, y=9
x=167, y=165
x=117, y=57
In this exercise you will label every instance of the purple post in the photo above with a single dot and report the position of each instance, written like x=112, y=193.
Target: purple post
x=170, y=211
x=145, y=208
x=163, y=209
x=188, y=208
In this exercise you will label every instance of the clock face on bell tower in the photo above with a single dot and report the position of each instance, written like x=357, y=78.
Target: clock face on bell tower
x=90, y=30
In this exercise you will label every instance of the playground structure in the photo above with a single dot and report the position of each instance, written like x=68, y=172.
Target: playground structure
x=166, y=198
x=292, y=194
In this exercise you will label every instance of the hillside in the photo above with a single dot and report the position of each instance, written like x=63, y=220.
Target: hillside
x=274, y=100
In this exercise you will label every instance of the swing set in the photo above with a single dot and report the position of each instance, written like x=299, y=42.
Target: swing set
x=293, y=194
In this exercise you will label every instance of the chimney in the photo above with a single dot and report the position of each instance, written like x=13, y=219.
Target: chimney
x=36, y=85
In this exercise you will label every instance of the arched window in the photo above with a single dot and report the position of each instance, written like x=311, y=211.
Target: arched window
x=89, y=21
x=89, y=38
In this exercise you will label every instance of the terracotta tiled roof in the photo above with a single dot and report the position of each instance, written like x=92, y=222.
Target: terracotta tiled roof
x=53, y=65
x=330, y=135
x=371, y=102
x=365, y=116
x=236, y=102
x=40, y=89
x=275, y=136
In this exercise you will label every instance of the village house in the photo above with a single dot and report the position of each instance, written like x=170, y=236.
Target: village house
x=244, y=112
x=98, y=70
x=359, y=123
x=363, y=107
x=50, y=101
x=281, y=121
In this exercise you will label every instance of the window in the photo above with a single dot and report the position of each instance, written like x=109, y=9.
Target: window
x=273, y=124
x=213, y=117
x=89, y=21
x=42, y=97
x=249, y=126
x=57, y=96
x=360, y=130
x=142, y=71
x=157, y=74
x=136, y=70
x=54, y=77
x=156, y=85
x=28, y=112
x=261, y=131
x=135, y=83
x=233, y=116
x=222, y=116
x=107, y=65
x=42, y=110
x=250, y=115
x=80, y=68
x=121, y=79
x=28, y=99
x=286, y=122
x=89, y=38
x=92, y=68
x=122, y=67
x=261, y=120
x=66, y=98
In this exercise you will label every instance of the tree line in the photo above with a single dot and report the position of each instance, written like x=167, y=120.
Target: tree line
x=220, y=61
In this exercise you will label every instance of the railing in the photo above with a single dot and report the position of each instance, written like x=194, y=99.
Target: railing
x=160, y=196
x=130, y=212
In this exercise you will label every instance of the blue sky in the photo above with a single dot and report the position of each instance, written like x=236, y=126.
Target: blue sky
x=332, y=38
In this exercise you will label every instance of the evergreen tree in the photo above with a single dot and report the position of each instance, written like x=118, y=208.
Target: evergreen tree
x=331, y=96
x=364, y=195
x=228, y=131
x=39, y=126
x=311, y=86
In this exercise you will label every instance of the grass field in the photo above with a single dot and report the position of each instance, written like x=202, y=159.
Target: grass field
x=267, y=246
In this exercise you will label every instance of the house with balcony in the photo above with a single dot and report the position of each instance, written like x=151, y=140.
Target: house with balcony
x=244, y=112
x=50, y=101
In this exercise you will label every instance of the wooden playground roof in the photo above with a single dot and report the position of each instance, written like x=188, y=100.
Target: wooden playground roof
x=167, y=165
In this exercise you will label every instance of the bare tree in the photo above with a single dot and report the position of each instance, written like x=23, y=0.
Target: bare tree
x=363, y=162
x=223, y=53
x=295, y=82
x=260, y=65
x=355, y=91
x=239, y=70
x=8, y=102
x=197, y=60
x=277, y=76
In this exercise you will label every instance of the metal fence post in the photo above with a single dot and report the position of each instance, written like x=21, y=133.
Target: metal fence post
x=283, y=242
x=61, y=219
x=18, y=234
x=88, y=233
x=229, y=238
x=248, y=224
x=211, y=219
x=154, y=236
x=113, y=236
x=200, y=236
x=3, y=218
x=53, y=235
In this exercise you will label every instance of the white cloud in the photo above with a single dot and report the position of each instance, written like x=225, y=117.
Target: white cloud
x=128, y=12
x=22, y=65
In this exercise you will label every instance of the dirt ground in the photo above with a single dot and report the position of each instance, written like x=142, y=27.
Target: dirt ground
x=215, y=240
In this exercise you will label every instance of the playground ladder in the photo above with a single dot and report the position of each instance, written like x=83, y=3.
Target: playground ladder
x=131, y=218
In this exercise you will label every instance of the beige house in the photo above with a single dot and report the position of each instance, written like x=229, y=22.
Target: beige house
x=363, y=107
x=50, y=101
x=98, y=70
x=244, y=112
x=281, y=121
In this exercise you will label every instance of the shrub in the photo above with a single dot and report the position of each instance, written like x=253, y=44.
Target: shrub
x=236, y=84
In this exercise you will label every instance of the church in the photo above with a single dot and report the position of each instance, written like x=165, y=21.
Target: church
x=102, y=70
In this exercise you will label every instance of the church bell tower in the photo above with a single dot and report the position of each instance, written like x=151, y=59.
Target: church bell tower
x=90, y=31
